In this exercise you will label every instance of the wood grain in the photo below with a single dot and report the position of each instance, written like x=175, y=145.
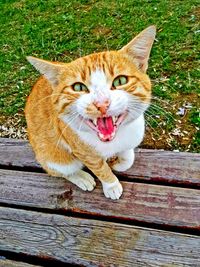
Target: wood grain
x=164, y=205
x=16, y=152
x=94, y=243
x=9, y=263
x=166, y=166
x=154, y=165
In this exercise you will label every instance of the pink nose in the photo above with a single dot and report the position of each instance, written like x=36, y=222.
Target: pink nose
x=102, y=106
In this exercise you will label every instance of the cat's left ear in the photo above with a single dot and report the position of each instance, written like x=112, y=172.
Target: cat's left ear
x=140, y=47
x=50, y=70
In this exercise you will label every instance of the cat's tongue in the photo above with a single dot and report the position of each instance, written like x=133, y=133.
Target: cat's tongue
x=106, y=128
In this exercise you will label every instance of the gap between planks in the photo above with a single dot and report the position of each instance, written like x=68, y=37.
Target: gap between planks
x=13, y=259
x=121, y=177
x=11, y=263
x=99, y=217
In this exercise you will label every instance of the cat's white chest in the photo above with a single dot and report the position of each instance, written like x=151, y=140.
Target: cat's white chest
x=128, y=137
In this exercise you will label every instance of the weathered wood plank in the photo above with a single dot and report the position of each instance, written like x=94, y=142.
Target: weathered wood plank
x=9, y=263
x=166, y=166
x=94, y=243
x=157, y=165
x=16, y=152
x=155, y=204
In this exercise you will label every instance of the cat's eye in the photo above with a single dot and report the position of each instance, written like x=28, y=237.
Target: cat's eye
x=120, y=80
x=79, y=87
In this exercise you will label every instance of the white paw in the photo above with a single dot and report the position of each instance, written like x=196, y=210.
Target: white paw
x=125, y=161
x=83, y=180
x=112, y=190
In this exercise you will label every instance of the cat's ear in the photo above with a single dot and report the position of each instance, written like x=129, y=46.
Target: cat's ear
x=140, y=47
x=50, y=70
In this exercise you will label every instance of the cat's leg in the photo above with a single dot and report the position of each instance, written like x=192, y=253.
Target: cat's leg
x=72, y=173
x=96, y=163
x=57, y=160
x=111, y=185
x=124, y=160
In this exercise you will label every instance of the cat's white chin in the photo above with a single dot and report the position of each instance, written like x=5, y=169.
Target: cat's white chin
x=106, y=127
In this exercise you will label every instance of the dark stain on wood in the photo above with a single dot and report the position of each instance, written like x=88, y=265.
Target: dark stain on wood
x=65, y=196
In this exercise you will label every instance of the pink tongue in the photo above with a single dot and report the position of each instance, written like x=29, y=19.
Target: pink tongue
x=105, y=125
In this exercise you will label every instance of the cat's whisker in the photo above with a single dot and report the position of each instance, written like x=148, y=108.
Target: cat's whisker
x=81, y=124
x=44, y=98
x=67, y=125
x=154, y=107
x=159, y=110
x=162, y=111
x=148, y=124
x=71, y=118
x=154, y=120
x=152, y=98
x=138, y=111
x=159, y=99
x=156, y=99
x=139, y=105
x=59, y=139
x=133, y=116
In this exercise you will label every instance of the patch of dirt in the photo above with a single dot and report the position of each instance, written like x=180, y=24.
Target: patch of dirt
x=181, y=133
x=13, y=127
x=101, y=30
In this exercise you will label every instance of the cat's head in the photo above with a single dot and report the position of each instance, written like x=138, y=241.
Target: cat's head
x=103, y=91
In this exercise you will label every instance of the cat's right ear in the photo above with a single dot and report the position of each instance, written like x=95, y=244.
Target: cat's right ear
x=50, y=70
x=139, y=48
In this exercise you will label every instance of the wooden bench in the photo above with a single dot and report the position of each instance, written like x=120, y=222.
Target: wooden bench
x=47, y=221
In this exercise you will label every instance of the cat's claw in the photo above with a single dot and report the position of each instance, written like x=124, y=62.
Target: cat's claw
x=112, y=190
x=83, y=180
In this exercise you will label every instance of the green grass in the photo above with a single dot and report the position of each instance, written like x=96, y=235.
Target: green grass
x=63, y=30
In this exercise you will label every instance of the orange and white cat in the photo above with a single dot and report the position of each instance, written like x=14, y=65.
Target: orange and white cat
x=87, y=111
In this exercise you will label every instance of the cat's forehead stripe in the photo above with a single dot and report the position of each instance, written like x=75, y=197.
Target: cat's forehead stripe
x=99, y=61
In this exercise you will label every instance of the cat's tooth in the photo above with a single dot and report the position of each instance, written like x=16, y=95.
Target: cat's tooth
x=95, y=121
x=114, y=118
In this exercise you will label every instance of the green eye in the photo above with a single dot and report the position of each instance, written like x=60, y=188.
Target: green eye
x=79, y=87
x=120, y=80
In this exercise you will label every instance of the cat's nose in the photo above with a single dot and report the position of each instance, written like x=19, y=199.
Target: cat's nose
x=102, y=106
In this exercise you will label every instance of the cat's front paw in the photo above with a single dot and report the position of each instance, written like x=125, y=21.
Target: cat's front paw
x=83, y=180
x=112, y=190
x=124, y=161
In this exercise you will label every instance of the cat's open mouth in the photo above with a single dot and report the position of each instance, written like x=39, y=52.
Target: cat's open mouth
x=106, y=127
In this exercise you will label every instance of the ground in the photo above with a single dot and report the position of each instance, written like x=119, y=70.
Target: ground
x=64, y=30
